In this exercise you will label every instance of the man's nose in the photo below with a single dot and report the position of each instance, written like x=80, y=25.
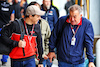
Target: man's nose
x=72, y=19
x=39, y=17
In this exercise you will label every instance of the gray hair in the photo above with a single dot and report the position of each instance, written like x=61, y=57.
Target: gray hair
x=75, y=7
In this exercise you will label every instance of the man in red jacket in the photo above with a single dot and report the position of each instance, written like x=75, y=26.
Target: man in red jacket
x=31, y=41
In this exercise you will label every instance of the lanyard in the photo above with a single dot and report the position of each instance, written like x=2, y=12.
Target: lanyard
x=29, y=37
x=27, y=29
x=74, y=32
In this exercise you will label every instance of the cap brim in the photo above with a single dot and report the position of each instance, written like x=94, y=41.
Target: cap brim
x=41, y=13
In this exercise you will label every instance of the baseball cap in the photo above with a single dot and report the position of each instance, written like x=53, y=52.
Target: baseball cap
x=34, y=10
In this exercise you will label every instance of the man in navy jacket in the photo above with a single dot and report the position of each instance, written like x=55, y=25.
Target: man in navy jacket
x=77, y=34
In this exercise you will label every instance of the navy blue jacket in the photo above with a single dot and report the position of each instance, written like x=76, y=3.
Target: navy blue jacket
x=5, y=12
x=65, y=51
x=50, y=16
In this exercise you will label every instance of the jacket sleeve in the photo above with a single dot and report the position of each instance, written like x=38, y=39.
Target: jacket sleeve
x=39, y=44
x=55, y=17
x=6, y=34
x=53, y=37
x=46, y=39
x=47, y=35
x=89, y=38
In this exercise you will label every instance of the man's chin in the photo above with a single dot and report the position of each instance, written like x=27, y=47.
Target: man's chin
x=48, y=7
x=73, y=23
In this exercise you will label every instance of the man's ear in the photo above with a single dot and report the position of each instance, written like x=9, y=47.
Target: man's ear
x=81, y=15
x=30, y=16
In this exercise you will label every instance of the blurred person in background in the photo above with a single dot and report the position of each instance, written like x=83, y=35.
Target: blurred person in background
x=6, y=15
x=17, y=9
x=55, y=7
x=50, y=15
x=23, y=5
x=67, y=5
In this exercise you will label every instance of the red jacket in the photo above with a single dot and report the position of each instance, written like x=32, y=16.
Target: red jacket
x=13, y=30
x=17, y=52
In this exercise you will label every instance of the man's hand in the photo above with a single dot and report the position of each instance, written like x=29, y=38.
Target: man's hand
x=40, y=65
x=51, y=55
x=22, y=43
x=91, y=64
